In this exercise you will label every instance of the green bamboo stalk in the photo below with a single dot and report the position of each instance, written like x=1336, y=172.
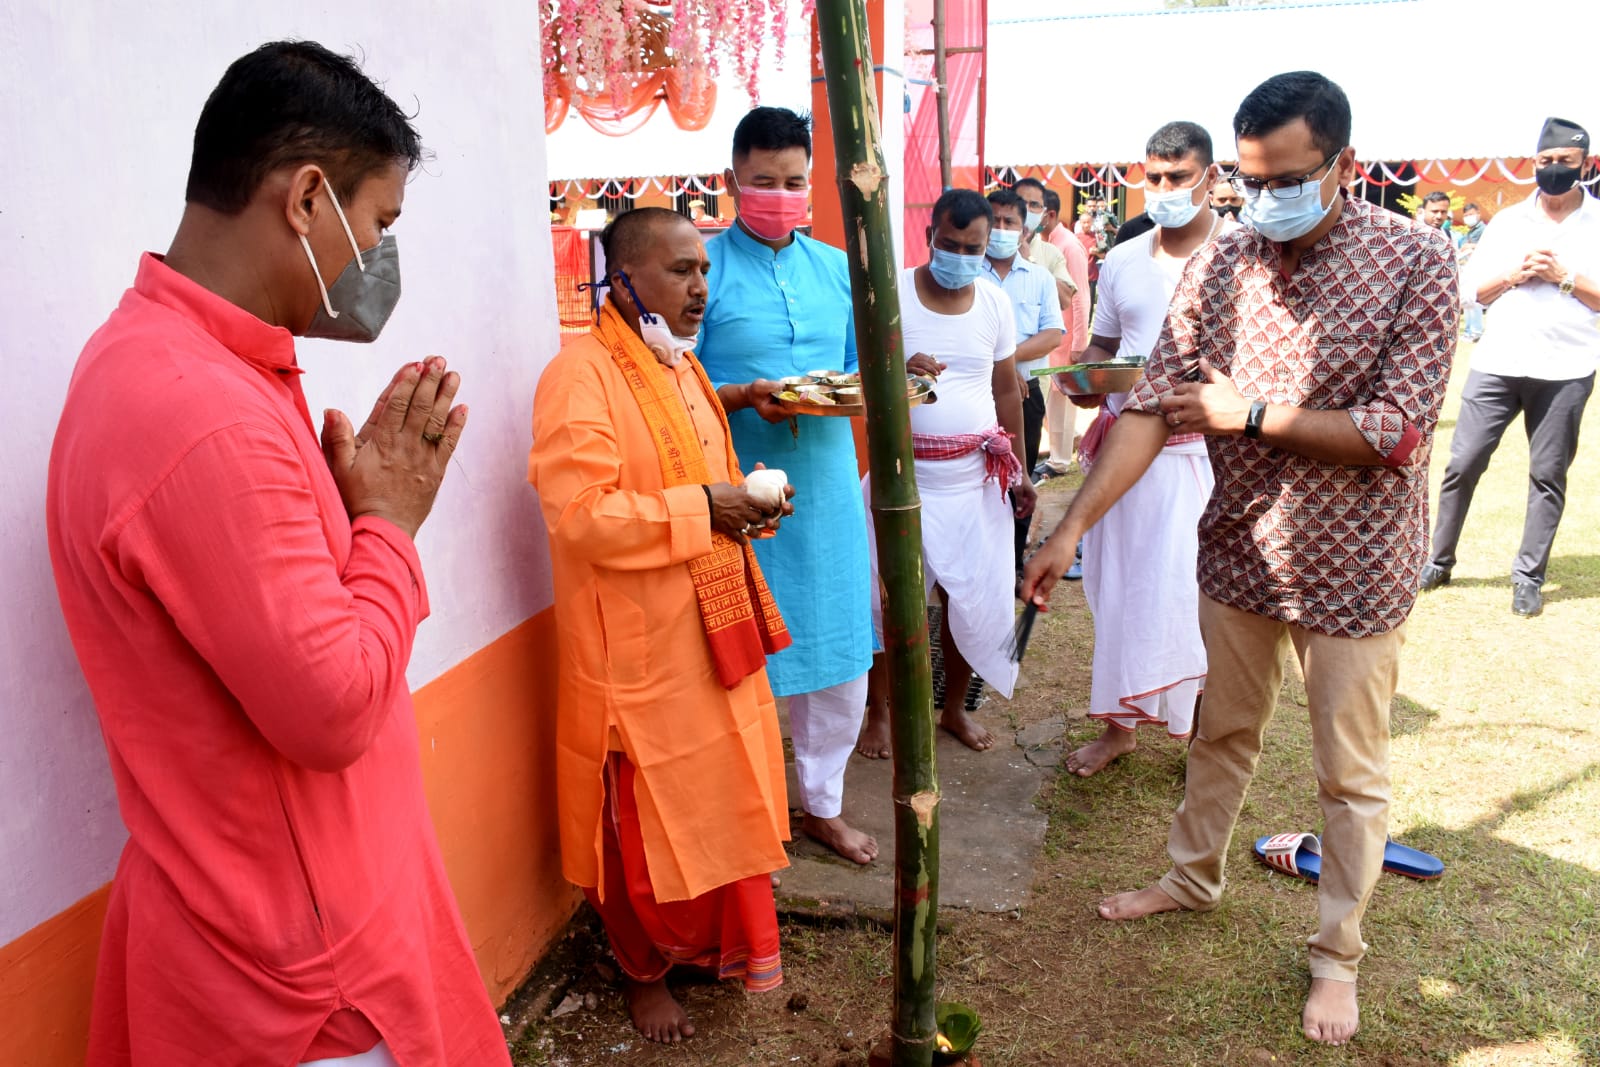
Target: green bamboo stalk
x=897, y=516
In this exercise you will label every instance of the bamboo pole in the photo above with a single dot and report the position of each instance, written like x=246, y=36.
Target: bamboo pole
x=897, y=516
x=941, y=74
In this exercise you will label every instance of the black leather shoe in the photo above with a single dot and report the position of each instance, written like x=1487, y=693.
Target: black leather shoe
x=1526, y=600
x=1432, y=578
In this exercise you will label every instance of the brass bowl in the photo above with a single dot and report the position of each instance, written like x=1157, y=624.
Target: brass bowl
x=1083, y=379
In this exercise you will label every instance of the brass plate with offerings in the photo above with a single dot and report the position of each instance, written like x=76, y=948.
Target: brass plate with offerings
x=836, y=393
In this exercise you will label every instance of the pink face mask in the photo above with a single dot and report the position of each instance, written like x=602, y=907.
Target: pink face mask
x=773, y=214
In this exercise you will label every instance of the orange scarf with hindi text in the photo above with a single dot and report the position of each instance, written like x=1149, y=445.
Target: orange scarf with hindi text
x=741, y=619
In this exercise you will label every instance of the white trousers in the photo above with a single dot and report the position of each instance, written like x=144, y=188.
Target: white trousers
x=377, y=1056
x=824, y=726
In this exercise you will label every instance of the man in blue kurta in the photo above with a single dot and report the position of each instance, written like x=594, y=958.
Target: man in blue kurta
x=779, y=305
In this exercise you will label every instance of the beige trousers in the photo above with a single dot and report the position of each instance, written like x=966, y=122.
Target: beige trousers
x=1349, y=684
x=1064, y=422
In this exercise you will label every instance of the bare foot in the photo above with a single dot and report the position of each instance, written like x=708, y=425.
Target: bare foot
x=967, y=729
x=1152, y=900
x=1331, y=1016
x=844, y=839
x=1093, y=757
x=874, y=740
x=656, y=1014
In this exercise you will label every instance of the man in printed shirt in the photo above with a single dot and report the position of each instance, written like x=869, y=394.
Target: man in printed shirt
x=243, y=607
x=779, y=305
x=1033, y=295
x=1319, y=402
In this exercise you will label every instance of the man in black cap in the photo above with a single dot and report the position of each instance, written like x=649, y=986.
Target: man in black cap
x=1538, y=266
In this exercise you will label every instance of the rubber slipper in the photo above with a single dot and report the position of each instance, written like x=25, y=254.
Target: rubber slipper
x=1411, y=862
x=1294, y=854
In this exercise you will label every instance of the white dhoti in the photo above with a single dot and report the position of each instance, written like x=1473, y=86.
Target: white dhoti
x=824, y=726
x=378, y=1056
x=967, y=547
x=1139, y=579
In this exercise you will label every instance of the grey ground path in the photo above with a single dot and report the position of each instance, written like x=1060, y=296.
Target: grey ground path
x=990, y=831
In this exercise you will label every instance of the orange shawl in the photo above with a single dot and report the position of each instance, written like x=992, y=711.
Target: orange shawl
x=741, y=618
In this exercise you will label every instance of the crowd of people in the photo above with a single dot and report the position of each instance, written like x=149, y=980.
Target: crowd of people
x=1262, y=489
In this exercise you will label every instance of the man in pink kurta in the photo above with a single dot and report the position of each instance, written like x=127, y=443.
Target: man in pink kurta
x=243, y=606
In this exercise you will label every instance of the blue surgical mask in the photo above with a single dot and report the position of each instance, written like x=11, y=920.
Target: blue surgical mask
x=366, y=290
x=953, y=270
x=1172, y=210
x=1284, y=220
x=1003, y=243
x=1033, y=219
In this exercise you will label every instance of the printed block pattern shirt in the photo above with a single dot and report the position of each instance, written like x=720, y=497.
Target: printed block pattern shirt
x=1366, y=325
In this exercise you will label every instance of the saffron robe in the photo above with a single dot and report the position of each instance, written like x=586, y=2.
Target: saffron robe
x=635, y=668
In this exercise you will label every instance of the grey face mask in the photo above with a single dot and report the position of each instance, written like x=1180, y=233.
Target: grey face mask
x=366, y=290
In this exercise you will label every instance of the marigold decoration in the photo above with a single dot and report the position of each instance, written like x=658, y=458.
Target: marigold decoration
x=616, y=61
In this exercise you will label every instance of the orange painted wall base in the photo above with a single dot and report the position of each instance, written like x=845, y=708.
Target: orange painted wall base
x=487, y=728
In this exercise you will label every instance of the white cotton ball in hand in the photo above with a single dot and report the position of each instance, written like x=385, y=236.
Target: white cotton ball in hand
x=765, y=487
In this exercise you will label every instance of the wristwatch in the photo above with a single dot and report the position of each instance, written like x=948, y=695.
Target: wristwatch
x=1252, y=421
x=1568, y=283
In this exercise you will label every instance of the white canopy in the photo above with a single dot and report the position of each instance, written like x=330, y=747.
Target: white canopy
x=1427, y=79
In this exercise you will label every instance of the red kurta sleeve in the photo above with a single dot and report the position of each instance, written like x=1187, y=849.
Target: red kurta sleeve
x=315, y=654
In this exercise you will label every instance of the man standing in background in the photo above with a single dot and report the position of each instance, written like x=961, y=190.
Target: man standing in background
x=1037, y=307
x=1538, y=267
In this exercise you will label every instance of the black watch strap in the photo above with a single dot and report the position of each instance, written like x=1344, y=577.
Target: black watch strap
x=1252, y=421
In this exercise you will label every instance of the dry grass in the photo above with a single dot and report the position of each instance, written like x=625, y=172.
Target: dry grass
x=1497, y=771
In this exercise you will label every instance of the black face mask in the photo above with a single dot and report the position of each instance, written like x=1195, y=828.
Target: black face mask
x=1227, y=210
x=1556, y=178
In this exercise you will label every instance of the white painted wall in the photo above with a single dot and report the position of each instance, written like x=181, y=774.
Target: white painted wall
x=99, y=107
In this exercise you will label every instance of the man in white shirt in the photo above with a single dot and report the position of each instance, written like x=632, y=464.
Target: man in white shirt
x=1538, y=267
x=967, y=458
x=1139, y=559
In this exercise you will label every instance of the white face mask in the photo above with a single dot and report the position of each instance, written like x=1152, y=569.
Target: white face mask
x=1173, y=210
x=659, y=338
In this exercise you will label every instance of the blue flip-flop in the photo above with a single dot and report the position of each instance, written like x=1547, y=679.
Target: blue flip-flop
x=1297, y=854
x=1411, y=862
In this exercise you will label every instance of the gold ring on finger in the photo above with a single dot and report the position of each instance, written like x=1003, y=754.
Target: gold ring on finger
x=432, y=438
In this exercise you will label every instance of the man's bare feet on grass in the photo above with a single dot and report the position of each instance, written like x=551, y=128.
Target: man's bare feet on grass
x=1331, y=1016
x=1092, y=758
x=656, y=1013
x=1136, y=904
x=846, y=840
x=874, y=740
x=968, y=730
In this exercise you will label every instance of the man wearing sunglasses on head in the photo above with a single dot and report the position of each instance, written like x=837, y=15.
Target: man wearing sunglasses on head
x=1312, y=349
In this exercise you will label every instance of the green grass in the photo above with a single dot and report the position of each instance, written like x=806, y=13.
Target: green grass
x=1496, y=760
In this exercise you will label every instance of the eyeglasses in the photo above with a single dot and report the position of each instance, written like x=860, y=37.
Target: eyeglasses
x=1280, y=188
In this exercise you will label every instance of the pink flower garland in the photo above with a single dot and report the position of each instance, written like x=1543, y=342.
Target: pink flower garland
x=587, y=41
